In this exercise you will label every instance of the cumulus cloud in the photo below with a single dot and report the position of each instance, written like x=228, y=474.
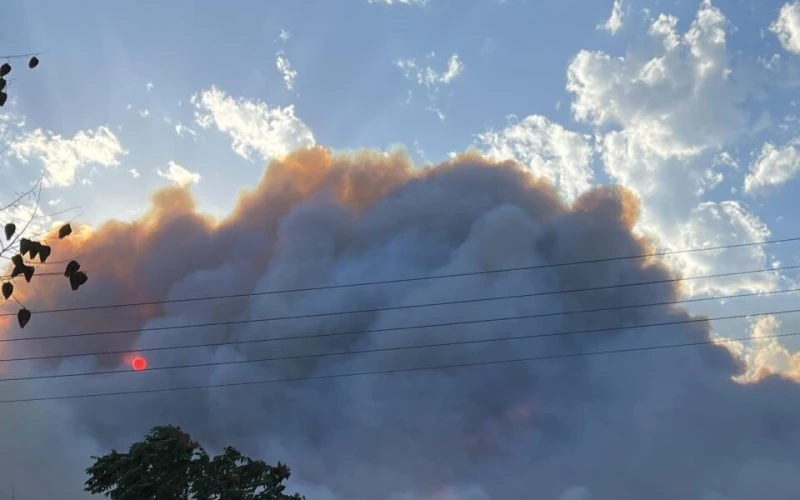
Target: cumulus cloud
x=773, y=167
x=547, y=149
x=615, y=20
x=571, y=429
x=254, y=127
x=663, y=116
x=63, y=158
x=787, y=27
x=289, y=74
x=179, y=175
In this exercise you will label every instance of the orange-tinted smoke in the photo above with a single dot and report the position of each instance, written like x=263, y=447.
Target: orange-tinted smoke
x=140, y=260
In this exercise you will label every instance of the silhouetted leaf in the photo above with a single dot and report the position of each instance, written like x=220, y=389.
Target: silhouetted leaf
x=77, y=279
x=23, y=316
x=65, y=231
x=44, y=253
x=25, y=245
x=2, y=83
x=72, y=268
x=33, y=62
x=10, y=229
x=5, y=69
x=34, y=248
x=8, y=289
x=3, y=98
x=19, y=265
x=28, y=272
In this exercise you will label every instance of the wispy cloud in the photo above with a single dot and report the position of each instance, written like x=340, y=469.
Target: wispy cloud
x=431, y=79
x=289, y=74
x=400, y=2
x=182, y=130
x=615, y=20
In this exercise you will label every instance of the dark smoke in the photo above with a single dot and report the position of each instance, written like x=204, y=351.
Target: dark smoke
x=658, y=425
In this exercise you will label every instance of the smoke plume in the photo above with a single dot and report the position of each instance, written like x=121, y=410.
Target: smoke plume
x=661, y=425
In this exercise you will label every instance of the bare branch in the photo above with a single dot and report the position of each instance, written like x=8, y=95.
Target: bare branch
x=23, y=195
x=22, y=242
x=27, y=224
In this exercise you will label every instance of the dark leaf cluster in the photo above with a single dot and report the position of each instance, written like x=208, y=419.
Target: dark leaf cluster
x=169, y=465
x=36, y=249
x=5, y=69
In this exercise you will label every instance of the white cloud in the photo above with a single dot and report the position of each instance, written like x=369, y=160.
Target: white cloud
x=253, y=126
x=150, y=86
x=64, y=158
x=144, y=113
x=663, y=117
x=134, y=173
x=787, y=26
x=430, y=79
x=427, y=76
x=547, y=149
x=284, y=36
x=615, y=20
x=773, y=166
x=289, y=74
x=179, y=175
x=765, y=355
x=183, y=130
x=399, y=2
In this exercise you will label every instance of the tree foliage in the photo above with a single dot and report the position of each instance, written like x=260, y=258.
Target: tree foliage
x=168, y=465
x=16, y=244
x=23, y=252
x=5, y=70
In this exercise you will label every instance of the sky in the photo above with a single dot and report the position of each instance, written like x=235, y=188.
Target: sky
x=689, y=105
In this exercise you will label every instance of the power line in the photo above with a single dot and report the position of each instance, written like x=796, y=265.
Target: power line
x=435, y=325
x=423, y=278
x=8, y=277
x=392, y=371
x=388, y=349
x=388, y=308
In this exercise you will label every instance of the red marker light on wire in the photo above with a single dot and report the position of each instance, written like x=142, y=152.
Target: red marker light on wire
x=139, y=363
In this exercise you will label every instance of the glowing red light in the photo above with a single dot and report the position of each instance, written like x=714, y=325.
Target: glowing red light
x=139, y=363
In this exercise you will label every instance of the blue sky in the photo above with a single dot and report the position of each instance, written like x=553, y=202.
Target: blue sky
x=692, y=105
x=197, y=85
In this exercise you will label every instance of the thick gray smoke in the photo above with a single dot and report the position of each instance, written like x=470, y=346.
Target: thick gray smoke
x=655, y=425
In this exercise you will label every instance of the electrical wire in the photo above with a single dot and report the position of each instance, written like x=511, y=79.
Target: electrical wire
x=390, y=371
x=416, y=327
x=425, y=278
x=387, y=308
x=397, y=348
